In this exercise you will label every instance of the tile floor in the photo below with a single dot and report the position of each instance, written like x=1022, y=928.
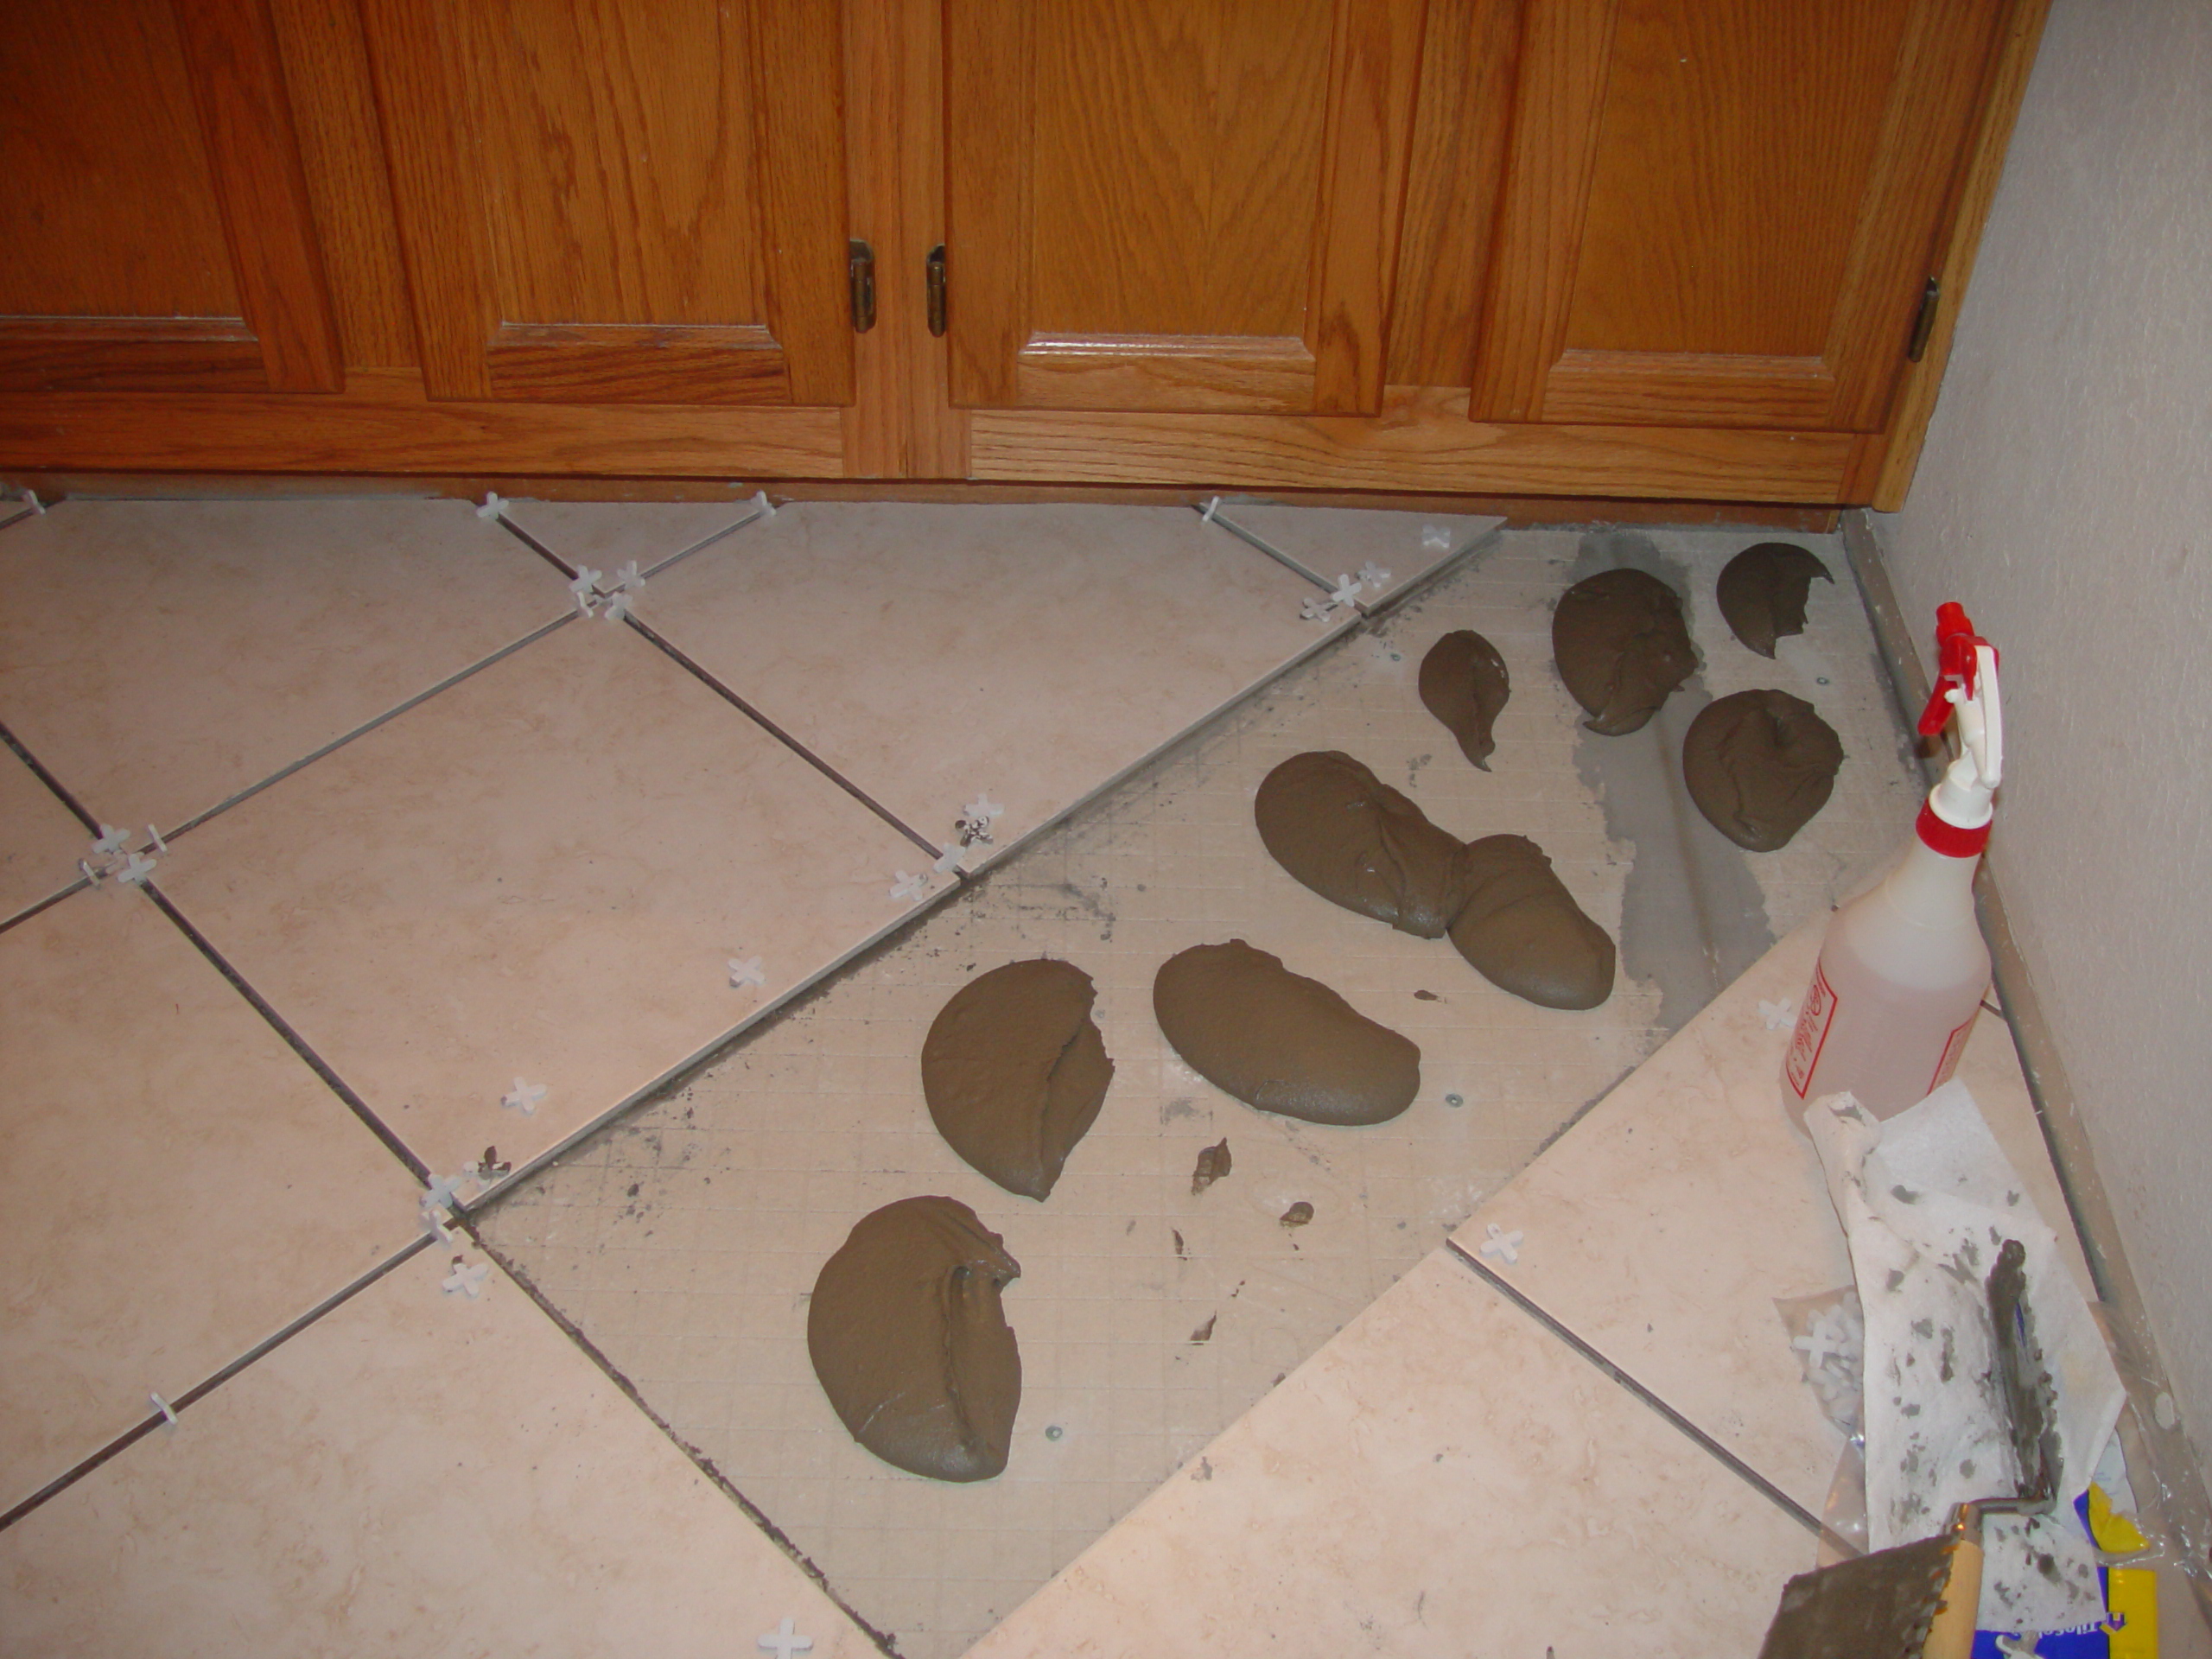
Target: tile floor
x=432, y=840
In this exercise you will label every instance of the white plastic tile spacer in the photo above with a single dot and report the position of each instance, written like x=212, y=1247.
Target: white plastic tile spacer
x=1316, y=610
x=112, y=841
x=525, y=1098
x=1374, y=575
x=155, y=835
x=495, y=506
x=1212, y=506
x=136, y=869
x=747, y=971
x=1501, y=1245
x=464, y=1279
x=1347, y=590
x=785, y=1642
x=1437, y=538
x=762, y=506
x=168, y=1413
x=31, y=500
x=584, y=585
x=910, y=887
x=948, y=860
x=1779, y=1016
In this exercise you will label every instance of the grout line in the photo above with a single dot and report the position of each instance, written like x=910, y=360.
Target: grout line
x=1276, y=553
x=725, y=532
x=364, y=729
x=1774, y=1494
x=320, y=1067
x=208, y=1385
x=39, y=907
x=756, y=1024
x=17, y=519
x=75, y=806
x=782, y=736
x=536, y=546
x=700, y=1460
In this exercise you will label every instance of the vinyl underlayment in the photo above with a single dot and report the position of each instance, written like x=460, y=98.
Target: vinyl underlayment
x=683, y=1240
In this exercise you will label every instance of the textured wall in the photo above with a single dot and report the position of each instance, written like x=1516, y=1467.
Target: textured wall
x=2065, y=496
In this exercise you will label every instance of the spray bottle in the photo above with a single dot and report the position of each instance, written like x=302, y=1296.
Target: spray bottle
x=1903, y=969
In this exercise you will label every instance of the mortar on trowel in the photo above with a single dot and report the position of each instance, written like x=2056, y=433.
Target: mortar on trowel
x=1921, y=1600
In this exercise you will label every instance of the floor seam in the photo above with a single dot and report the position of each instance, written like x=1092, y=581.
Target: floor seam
x=299, y=1044
x=699, y=1459
x=1721, y=1455
x=53, y=784
x=209, y=1384
x=1254, y=541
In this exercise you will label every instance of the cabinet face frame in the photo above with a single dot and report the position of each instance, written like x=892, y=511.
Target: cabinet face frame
x=286, y=338
x=1524, y=368
x=802, y=353
x=1002, y=358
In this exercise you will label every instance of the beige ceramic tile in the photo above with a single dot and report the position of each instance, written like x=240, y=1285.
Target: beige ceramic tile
x=175, y=1184
x=41, y=839
x=1383, y=551
x=1444, y=1477
x=606, y=535
x=1031, y=653
x=542, y=873
x=416, y=1475
x=1662, y=1228
x=161, y=656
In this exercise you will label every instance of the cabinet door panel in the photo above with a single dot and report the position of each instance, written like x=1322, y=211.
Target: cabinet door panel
x=618, y=201
x=1175, y=203
x=164, y=237
x=1723, y=211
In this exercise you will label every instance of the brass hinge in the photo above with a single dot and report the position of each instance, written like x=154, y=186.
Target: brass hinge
x=936, y=289
x=1923, y=324
x=860, y=276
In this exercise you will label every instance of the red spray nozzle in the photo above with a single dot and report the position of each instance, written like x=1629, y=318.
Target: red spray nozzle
x=1955, y=664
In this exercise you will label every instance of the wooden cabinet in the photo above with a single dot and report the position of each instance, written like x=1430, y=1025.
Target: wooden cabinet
x=159, y=234
x=1624, y=248
x=621, y=201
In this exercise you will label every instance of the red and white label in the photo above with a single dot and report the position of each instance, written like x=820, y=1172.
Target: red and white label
x=1812, y=1022
x=1953, y=1047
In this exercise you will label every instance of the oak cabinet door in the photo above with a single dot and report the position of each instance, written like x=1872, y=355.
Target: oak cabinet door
x=1724, y=212
x=621, y=201
x=159, y=233
x=1175, y=203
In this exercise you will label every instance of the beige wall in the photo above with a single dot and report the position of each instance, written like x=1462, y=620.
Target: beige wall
x=2066, y=497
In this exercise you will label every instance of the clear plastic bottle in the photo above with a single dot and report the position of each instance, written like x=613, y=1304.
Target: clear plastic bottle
x=1903, y=969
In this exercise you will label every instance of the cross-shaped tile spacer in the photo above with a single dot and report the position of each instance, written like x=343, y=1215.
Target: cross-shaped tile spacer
x=523, y=1097
x=785, y=1640
x=1503, y=1246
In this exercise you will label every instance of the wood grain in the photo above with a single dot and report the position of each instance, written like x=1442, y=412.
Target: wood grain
x=589, y=362
x=799, y=67
x=1166, y=371
x=989, y=95
x=1565, y=49
x=1373, y=73
x=1470, y=60
x=383, y=423
x=2021, y=33
x=341, y=150
x=1690, y=388
x=238, y=83
x=111, y=215
x=129, y=353
x=1421, y=441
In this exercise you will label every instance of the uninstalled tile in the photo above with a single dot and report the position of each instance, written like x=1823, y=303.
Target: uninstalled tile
x=175, y=1184
x=1444, y=1477
x=606, y=535
x=542, y=874
x=417, y=1473
x=936, y=653
x=41, y=839
x=161, y=656
x=1663, y=1227
x=1382, y=551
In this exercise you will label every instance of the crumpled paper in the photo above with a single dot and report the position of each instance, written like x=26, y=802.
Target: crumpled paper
x=1926, y=1201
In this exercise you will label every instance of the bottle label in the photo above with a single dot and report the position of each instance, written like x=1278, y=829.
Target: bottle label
x=1955, y=1046
x=1812, y=1033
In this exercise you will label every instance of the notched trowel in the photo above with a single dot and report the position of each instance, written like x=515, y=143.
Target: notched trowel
x=1921, y=1600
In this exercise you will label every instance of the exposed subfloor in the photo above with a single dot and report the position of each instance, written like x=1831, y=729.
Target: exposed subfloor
x=683, y=1240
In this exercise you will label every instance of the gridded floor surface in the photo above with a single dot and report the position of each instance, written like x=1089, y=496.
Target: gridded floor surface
x=684, y=1240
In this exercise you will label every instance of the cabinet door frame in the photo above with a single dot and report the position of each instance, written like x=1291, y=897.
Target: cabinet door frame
x=803, y=354
x=1000, y=359
x=1524, y=371
x=287, y=339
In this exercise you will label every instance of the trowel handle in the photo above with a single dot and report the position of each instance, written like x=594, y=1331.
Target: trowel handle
x=1951, y=1635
